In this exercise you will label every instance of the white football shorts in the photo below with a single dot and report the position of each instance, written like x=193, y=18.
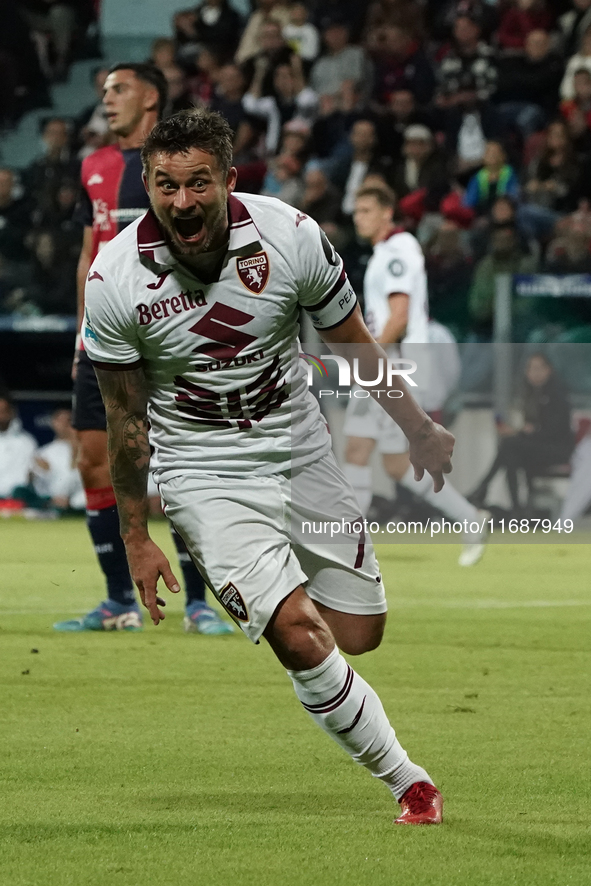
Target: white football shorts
x=366, y=418
x=255, y=539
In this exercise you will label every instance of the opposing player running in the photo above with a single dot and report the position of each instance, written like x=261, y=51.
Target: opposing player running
x=396, y=313
x=113, y=196
x=189, y=342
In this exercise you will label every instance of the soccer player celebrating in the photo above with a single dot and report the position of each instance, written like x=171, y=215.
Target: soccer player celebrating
x=114, y=196
x=191, y=319
x=396, y=313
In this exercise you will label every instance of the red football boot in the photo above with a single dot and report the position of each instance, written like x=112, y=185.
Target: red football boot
x=421, y=804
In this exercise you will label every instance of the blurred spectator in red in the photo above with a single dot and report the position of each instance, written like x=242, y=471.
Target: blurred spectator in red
x=53, y=23
x=527, y=91
x=581, y=60
x=342, y=64
x=44, y=176
x=573, y=25
x=266, y=11
x=399, y=63
x=300, y=34
x=91, y=126
x=495, y=179
x=17, y=448
x=273, y=52
x=581, y=100
x=520, y=19
x=422, y=166
x=15, y=218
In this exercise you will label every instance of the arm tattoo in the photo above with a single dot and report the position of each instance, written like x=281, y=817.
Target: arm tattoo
x=125, y=397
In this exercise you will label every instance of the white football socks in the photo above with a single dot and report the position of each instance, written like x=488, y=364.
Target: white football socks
x=449, y=500
x=345, y=706
x=360, y=479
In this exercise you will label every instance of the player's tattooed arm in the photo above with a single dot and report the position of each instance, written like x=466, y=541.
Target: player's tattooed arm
x=125, y=397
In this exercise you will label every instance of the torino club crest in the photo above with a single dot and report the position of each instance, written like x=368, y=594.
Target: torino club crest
x=254, y=271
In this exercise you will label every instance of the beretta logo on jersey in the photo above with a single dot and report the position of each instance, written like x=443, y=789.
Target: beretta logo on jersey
x=254, y=271
x=231, y=599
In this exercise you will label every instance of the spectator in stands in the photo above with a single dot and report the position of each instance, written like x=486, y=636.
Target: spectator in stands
x=404, y=14
x=467, y=78
x=573, y=25
x=422, y=167
x=578, y=495
x=351, y=13
x=336, y=115
x=341, y=64
x=273, y=52
x=44, y=176
x=292, y=99
x=266, y=11
x=295, y=140
x=23, y=85
x=580, y=61
x=214, y=25
x=301, y=35
x=283, y=179
x=545, y=438
x=16, y=449
x=91, y=126
x=227, y=97
x=321, y=200
x=581, y=100
x=55, y=475
x=570, y=251
x=552, y=184
x=443, y=14
x=467, y=73
x=400, y=63
x=53, y=282
x=15, y=219
x=495, y=179
x=203, y=74
x=162, y=53
x=505, y=257
x=53, y=23
x=352, y=161
x=527, y=92
x=179, y=95
x=449, y=266
x=520, y=19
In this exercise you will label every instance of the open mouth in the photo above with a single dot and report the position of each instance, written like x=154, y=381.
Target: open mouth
x=189, y=228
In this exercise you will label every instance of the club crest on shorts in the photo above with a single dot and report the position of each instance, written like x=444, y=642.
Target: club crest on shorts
x=231, y=599
x=254, y=271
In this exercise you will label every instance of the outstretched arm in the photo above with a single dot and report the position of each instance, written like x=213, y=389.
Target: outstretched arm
x=431, y=446
x=124, y=393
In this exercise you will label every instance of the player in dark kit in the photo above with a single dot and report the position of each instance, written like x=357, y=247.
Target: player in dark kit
x=113, y=195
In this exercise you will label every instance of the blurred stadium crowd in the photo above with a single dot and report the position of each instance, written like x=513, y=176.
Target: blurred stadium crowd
x=477, y=113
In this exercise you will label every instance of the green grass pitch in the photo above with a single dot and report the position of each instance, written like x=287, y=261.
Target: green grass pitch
x=172, y=760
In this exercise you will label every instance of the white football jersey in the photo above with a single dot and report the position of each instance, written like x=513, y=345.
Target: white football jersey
x=397, y=265
x=226, y=395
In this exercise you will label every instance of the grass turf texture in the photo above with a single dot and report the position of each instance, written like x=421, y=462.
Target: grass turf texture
x=163, y=758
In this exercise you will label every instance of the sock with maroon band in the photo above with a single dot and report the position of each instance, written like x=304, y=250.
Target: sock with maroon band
x=194, y=584
x=102, y=520
x=345, y=706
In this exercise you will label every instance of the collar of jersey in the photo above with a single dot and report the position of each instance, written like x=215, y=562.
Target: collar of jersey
x=154, y=252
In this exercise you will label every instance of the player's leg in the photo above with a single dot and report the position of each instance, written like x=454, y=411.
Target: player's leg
x=361, y=428
x=200, y=618
x=346, y=707
x=448, y=500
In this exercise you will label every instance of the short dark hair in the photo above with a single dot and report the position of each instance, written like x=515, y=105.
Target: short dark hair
x=196, y=128
x=147, y=74
x=384, y=196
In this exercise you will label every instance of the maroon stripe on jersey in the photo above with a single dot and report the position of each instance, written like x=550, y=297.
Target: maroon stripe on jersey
x=148, y=231
x=356, y=719
x=326, y=706
x=328, y=298
x=117, y=367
